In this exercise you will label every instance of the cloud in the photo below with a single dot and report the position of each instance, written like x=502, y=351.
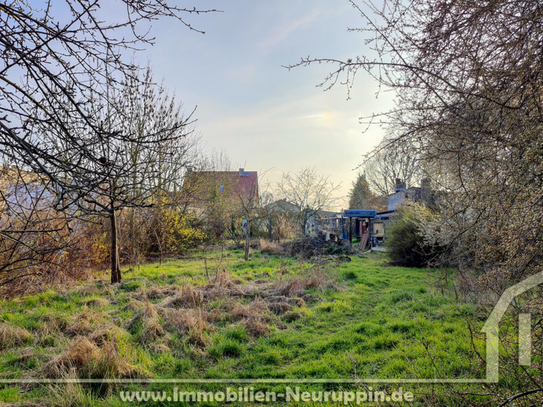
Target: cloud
x=284, y=29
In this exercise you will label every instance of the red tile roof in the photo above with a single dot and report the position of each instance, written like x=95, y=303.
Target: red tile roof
x=201, y=183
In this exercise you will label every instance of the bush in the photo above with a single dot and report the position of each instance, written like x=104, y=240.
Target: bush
x=405, y=239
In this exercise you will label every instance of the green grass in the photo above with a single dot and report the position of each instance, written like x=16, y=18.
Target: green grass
x=383, y=322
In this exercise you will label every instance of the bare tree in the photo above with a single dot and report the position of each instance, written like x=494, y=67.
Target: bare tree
x=389, y=164
x=309, y=191
x=143, y=162
x=61, y=70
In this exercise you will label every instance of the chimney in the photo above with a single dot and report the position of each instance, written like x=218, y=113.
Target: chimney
x=425, y=189
x=400, y=185
x=241, y=172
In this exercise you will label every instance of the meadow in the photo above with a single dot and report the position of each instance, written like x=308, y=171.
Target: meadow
x=215, y=316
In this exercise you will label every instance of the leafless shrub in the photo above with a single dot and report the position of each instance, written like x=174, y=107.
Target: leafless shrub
x=306, y=247
x=268, y=246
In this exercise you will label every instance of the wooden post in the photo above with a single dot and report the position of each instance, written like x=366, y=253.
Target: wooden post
x=369, y=231
x=350, y=233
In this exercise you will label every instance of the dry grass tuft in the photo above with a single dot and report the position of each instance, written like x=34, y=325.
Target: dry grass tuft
x=280, y=308
x=252, y=316
x=37, y=404
x=85, y=359
x=253, y=310
x=78, y=356
x=197, y=335
x=70, y=394
x=83, y=325
x=152, y=331
x=97, y=302
x=110, y=364
x=292, y=287
x=183, y=320
x=52, y=324
x=161, y=292
x=87, y=289
x=294, y=301
x=188, y=298
x=268, y=246
x=107, y=333
x=149, y=310
x=24, y=355
x=255, y=328
x=134, y=306
x=292, y=316
x=317, y=279
x=193, y=323
x=13, y=336
x=158, y=348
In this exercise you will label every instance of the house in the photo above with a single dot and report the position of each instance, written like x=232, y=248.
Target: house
x=283, y=206
x=203, y=187
x=23, y=191
x=413, y=194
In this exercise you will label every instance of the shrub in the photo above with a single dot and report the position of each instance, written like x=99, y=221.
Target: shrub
x=405, y=237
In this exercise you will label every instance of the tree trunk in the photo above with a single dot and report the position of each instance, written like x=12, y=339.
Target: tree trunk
x=247, y=239
x=115, y=269
x=270, y=229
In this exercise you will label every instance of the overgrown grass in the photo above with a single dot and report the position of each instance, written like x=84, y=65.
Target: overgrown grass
x=357, y=319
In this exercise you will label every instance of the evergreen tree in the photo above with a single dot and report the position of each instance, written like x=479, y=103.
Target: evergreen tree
x=362, y=197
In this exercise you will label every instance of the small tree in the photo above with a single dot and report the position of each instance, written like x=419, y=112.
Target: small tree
x=309, y=191
x=141, y=148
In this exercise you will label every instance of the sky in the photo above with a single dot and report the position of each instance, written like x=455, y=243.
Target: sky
x=265, y=117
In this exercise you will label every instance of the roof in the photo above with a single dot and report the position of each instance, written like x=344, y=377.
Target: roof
x=282, y=205
x=202, y=183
